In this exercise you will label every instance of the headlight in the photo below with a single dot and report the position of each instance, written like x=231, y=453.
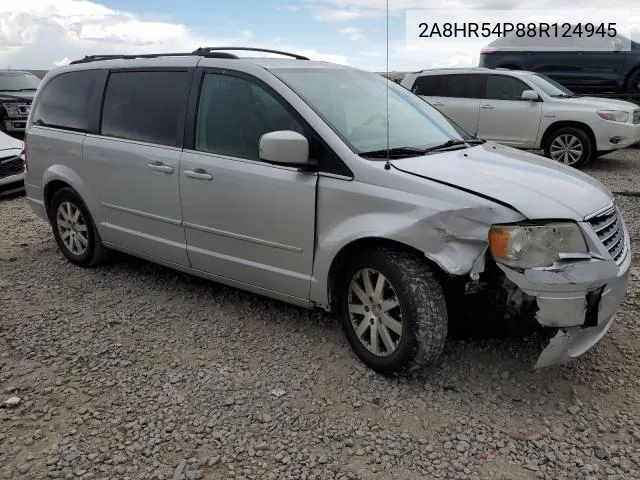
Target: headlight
x=614, y=115
x=529, y=246
x=12, y=109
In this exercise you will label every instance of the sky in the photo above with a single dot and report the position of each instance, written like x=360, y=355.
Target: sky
x=40, y=34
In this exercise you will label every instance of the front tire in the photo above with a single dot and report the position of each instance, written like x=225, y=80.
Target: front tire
x=74, y=229
x=569, y=145
x=393, y=311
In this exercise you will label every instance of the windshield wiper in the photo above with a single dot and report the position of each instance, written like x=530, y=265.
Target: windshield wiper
x=405, y=152
x=454, y=143
x=398, y=152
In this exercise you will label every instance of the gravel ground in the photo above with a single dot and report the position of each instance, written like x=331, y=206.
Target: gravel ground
x=134, y=371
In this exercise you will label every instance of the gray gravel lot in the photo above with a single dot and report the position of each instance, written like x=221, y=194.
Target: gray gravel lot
x=133, y=371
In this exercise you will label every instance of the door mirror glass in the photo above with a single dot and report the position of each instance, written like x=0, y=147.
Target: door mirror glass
x=530, y=95
x=284, y=147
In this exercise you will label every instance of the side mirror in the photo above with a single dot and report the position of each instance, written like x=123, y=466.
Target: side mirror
x=285, y=147
x=530, y=95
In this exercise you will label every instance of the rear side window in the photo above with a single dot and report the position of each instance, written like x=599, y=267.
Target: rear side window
x=147, y=106
x=426, y=85
x=461, y=86
x=65, y=101
x=502, y=87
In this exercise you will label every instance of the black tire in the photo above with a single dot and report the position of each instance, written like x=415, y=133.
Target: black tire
x=94, y=253
x=633, y=82
x=422, y=306
x=567, y=132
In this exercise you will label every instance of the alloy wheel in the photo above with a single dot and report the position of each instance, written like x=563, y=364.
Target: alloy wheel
x=72, y=228
x=567, y=149
x=374, y=310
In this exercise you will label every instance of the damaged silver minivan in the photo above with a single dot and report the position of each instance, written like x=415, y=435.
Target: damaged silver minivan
x=327, y=187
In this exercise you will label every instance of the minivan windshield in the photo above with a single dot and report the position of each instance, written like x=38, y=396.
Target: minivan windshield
x=354, y=104
x=18, y=82
x=549, y=86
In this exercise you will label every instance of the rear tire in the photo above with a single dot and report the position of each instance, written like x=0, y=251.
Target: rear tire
x=395, y=321
x=633, y=82
x=74, y=229
x=569, y=145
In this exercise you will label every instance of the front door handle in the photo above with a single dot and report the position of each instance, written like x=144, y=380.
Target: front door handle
x=437, y=104
x=198, y=173
x=160, y=167
x=487, y=107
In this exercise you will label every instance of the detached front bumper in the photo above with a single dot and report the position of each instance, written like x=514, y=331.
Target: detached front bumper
x=578, y=297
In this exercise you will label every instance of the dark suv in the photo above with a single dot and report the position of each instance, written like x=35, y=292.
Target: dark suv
x=17, y=89
x=595, y=64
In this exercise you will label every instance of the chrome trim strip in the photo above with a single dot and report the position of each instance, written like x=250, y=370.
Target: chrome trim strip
x=602, y=211
x=170, y=221
x=245, y=238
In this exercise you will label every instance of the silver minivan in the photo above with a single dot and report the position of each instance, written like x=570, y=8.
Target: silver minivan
x=327, y=187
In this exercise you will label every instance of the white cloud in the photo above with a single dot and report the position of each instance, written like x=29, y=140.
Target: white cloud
x=45, y=33
x=352, y=32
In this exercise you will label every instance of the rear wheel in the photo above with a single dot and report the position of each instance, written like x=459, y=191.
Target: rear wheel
x=74, y=229
x=393, y=311
x=569, y=145
x=633, y=83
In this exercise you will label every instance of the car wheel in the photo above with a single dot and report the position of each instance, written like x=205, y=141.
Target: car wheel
x=74, y=229
x=393, y=311
x=569, y=145
x=633, y=83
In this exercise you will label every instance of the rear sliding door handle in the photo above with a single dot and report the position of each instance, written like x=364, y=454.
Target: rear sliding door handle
x=437, y=104
x=198, y=173
x=487, y=107
x=160, y=167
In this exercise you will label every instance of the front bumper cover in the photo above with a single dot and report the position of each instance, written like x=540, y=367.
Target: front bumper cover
x=580, y=298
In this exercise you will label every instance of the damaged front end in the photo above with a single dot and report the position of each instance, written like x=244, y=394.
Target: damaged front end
x=576, y=296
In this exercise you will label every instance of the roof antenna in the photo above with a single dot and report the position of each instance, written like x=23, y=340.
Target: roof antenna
x=387, y=165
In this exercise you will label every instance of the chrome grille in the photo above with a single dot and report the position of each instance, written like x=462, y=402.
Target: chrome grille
x=608, y=227
x=11, y=166
x=636, y=116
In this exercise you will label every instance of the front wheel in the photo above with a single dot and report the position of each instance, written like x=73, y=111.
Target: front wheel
x=393, y=311
x=569, y=145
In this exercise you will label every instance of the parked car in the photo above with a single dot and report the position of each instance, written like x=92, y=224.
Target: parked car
x=529, y=111
x=17, y=89
x=589, y=64
x=279, y=176
x=11, y=165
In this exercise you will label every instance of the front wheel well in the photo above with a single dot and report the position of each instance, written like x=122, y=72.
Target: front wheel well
x=567, y=123
x=341, y=261
x=50, y=190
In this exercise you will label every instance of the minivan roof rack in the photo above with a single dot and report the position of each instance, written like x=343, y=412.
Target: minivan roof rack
x=208, y=52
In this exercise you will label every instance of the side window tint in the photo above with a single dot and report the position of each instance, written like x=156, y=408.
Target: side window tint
x=65, y=101
x=145, y=106
x=234, y=113
x=461, y=86
x=426, y=85
x=501, y=87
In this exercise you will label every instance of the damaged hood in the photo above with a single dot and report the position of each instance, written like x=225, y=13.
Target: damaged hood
x=537, y=187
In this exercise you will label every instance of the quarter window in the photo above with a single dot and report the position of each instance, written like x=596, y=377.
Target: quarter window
x=147, y=106
x=502, y=87
x=234, y=113
x=65, y=101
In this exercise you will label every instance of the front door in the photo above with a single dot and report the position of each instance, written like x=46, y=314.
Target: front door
x=504, y=116
x=246, y=220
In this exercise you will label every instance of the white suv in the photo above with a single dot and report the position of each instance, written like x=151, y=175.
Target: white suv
x=528, y=110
